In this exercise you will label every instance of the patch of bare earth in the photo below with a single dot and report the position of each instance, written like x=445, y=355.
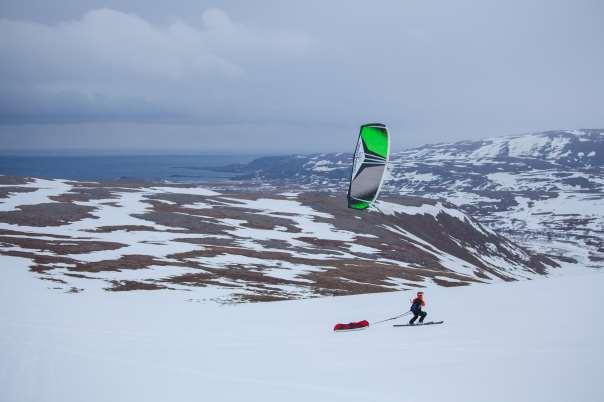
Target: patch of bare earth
x=125, y=262
x=124, y=286
x=60, y=247
x=126, y=228
x=7, y=191
x=47, y=214
x=15, y=180
x=86, y=194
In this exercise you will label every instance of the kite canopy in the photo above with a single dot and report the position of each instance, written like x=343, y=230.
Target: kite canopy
x=369, y=165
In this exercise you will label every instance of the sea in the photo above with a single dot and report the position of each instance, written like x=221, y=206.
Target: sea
x=175, y=168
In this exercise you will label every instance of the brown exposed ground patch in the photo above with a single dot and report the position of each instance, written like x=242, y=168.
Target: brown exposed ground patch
x=15, y=180
x=124, y=262
x=127, y=228
x=360, y=276
x=196, y=279
x=50, y=278
x=324, y=243
x=251, y=218
x=85, y=194
x=257, y=221
x=79, y=276
x=124, y=286
x=114, y=185
x=219, y=211
x=252, y=276
x=47, y=214
x=206, y=241
x=282, y=245
x=180, y=199
x=40, y=263
x=178, y=220
x=6, y=232
x=7, y=191
x=540, y=263
x=271, y=245
x=448, y=284
x=263, y=255
x=259, y=297
x=61, y=247
x=233, y=196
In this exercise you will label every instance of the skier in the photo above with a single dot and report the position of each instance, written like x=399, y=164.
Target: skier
x=416, y=308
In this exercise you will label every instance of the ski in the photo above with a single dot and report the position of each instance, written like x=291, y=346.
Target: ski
x=419, y=324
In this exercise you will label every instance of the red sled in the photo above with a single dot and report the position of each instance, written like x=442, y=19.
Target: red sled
x=351, y=326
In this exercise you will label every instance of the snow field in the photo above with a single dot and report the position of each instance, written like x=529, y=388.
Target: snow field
x=537, y=340
x=44, y=189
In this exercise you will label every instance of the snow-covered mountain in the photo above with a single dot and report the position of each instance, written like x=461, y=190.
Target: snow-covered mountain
x=544, y=190
x=231, y=245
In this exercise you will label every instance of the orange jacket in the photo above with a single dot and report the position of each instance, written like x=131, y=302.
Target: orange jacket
x=417, y=304
x=418, y=300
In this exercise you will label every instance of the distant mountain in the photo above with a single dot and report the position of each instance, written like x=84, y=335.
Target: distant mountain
x=574, y=149
x=232, y=245
x=545, y=190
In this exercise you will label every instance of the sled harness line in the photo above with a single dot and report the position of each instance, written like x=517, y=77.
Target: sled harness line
x=392, y=318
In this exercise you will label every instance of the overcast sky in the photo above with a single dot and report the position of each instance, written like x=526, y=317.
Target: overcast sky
x=293, y=76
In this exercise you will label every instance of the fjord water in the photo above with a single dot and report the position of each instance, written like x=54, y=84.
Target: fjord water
x=187, y=168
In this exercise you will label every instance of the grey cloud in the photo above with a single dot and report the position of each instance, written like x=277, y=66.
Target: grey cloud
x=113, y=56
x=432, y=70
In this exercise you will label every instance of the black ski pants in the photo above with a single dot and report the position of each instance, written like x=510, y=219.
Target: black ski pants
x=420, y=314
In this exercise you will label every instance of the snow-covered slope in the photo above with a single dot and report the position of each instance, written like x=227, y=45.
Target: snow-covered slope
x=545, y=190
x=251, y=245
x=537, y=341
x=571, y=148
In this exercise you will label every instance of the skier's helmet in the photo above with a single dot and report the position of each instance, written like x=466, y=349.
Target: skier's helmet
x=420, y=294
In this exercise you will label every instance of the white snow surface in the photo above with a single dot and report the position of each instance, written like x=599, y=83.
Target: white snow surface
x=390, y=208
x=558, y=203
x=529, y=145
x=43, y=190
x=538, y=341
